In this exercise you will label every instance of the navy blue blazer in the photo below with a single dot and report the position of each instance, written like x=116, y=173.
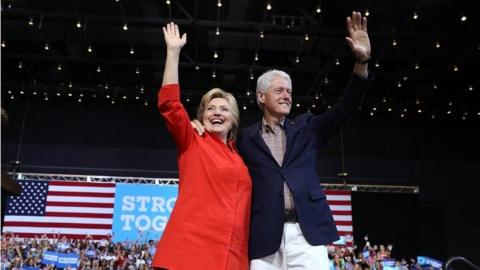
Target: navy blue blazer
x=305, y=135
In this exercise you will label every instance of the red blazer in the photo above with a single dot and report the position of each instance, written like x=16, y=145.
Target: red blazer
x=208, y=228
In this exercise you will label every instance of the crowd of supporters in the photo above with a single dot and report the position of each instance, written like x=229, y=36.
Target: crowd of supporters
x=104, y=254
x=93, y=254
x=370, y=257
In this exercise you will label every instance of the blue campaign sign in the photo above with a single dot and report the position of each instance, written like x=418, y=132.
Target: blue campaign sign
x=141, y=211
x=422, y=260
x=389, y=265
x=49, y=257
x=67, y=259
x=91, y=253
x=60, y=260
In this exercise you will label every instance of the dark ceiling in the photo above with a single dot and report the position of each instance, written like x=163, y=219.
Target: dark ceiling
x=425, y=57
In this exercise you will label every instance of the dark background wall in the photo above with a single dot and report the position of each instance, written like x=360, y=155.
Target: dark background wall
x=441, y=157
x=387, y=218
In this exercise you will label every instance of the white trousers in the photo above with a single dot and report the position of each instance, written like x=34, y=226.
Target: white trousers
x=295, y=253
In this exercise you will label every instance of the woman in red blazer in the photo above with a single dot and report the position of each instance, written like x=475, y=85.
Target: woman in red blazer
x=208, y=228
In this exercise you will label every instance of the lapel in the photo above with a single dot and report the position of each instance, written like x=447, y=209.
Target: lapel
x=255, y=134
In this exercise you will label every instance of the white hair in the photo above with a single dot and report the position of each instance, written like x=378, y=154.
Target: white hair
x=265, y=81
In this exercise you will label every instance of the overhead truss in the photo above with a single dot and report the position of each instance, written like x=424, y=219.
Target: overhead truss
x=174, y=181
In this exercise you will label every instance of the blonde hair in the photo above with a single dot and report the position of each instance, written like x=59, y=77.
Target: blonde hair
x=232, y=103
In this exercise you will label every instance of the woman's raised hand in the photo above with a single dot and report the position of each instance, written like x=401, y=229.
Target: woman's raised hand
x=172, y=37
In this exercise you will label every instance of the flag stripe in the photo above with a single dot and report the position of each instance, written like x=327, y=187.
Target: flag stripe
x=342, y=218
x=339, y=198
x=79, y=199
x=337, y=192
x=80, y=204
x=345, y=228
x=56, y=219
x=79, y=209
x=58, y=225
x=82, y=189
x=348, y=213
x=343, y=203
x=345, y=223
x=81, y=194
x=83, y=215
x=334, y=207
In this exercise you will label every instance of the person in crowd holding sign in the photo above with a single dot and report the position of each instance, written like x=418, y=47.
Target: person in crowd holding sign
x=208, y=228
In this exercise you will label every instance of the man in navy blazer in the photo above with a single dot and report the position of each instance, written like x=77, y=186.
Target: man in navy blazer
x=291, y=221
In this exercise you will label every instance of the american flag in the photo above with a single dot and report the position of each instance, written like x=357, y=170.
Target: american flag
x=340, y=203
x=65, y=208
